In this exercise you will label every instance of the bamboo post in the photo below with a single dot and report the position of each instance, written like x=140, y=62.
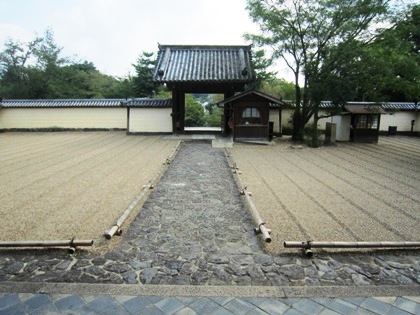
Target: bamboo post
x=261, y=227
x=254, y=212
x=73, y=243
x=309, y=244
x=116, y=228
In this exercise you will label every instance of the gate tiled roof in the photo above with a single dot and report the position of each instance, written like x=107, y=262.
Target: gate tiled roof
x=203, y=64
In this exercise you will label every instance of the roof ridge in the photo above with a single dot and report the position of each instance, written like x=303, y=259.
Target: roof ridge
x=209, y=47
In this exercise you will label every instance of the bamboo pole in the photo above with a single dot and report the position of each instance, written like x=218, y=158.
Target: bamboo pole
x=350, y=244
x=116, y=228
x=308, y=245
x=254, y=212
x=73, y=243
x=261, y=227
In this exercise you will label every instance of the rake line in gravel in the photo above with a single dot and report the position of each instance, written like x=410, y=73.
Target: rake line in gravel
x=49, y=152
x=361, y=208
x=66, y=179
x=357, y=170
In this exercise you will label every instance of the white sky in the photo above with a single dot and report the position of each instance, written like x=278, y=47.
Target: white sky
x=113, y=33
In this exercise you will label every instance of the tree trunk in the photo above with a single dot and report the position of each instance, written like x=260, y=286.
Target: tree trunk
x=298, y=124
x=314, y=140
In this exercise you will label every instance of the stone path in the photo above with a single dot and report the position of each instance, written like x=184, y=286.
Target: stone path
x=195, y=230
x=193, y=223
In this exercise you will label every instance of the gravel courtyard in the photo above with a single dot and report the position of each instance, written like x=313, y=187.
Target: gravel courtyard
x=54, y=186
x=60, y=185
x=348, y=192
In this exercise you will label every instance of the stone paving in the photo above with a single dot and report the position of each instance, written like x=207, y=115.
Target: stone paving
x=16, y=303
x=195, y=230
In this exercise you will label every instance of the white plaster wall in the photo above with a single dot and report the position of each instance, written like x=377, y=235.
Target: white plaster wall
x=150, y=120
x=274, y=117
x=287, y=115
x=343, y=127
x=286, y=118
x=400, y=119
x=322, y=122
x=96, y=118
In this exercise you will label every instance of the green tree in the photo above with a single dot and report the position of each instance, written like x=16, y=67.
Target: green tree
x=395, y=59
x=44, y=72
x=120, y=87
x=37, y=70
x=386, y=69
x=213, y=114
x=194, y=112
x=301, y=32
x=142, y=81
x=261, y=64
x=13, y=67
x=79, y=80
x=278, y=88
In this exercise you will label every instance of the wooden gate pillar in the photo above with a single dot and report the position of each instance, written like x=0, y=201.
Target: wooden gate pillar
x=178, y=111
x=227, y=114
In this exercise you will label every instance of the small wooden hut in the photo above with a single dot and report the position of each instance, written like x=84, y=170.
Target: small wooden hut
x=359, y=122
x=365, y=121
x=250, y=115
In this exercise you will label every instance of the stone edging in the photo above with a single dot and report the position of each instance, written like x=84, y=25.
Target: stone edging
x=208, y=291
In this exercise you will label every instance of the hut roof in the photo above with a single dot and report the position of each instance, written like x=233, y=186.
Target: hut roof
x=364, y=109
x=273, y=102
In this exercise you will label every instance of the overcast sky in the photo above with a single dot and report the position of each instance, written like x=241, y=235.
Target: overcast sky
x=113, y=33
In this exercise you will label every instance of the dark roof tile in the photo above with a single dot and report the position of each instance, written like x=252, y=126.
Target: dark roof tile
x=149, y=102
x=61, y=103
x=273, y=102
x=73, y=103
x=203, y=64
x=389, y=106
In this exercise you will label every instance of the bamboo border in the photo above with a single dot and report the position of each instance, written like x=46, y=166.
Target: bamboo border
x=260, y=229
x=116, y=229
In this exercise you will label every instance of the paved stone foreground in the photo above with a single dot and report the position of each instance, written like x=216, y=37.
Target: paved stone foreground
x=195, y=230
x=16, y=303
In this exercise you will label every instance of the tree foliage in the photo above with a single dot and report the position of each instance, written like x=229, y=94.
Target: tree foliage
x=302, y=32
x=393, y=59
x=194, y=112
x=213, y=118
x=278, y=88
x=261, y=63
x=386, y=69
x=37, y=70
x=142, y=82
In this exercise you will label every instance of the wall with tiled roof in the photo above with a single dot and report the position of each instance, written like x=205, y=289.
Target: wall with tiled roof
x=153, y=115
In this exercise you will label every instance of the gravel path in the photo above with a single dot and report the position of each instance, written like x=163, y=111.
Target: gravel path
x=60, y=185
x=348, y=192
